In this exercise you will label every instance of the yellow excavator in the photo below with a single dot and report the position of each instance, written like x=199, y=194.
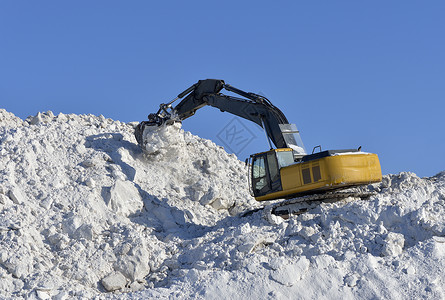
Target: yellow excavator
x=286, y=171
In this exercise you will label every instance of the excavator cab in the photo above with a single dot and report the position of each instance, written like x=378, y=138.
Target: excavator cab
x=280, y=173
x=265, y=172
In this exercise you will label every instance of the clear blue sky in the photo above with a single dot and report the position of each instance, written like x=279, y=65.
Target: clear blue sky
x=348, y=73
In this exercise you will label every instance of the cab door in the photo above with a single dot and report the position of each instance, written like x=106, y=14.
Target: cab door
x=265, y=174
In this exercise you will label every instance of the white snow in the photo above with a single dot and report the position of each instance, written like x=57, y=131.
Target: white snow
x=298, y=150
x=85, y=213
x=349, y=153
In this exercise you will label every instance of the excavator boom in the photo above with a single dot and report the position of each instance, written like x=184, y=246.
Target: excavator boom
x=252, y=107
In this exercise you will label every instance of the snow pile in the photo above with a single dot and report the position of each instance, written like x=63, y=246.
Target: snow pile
x=85, y=212
x=391, y=246
x=83, y=208
x=198, y=170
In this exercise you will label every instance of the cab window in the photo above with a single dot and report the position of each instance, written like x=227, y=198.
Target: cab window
x=259, y=173
x=285, y=158
x=273, y=166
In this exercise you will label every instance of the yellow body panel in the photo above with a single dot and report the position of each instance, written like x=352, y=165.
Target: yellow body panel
x=327, y=173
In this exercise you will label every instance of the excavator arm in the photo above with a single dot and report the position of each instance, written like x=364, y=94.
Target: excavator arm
x=252, y=107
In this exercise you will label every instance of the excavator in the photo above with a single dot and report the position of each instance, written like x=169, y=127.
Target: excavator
x=285, y=171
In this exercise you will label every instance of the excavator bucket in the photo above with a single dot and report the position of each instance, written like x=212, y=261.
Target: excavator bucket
x=139, y=132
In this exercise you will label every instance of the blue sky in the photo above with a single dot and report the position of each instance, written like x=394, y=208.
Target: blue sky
x=348, y=73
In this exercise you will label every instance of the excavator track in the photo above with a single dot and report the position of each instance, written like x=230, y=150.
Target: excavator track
x=299, y=205
x=287, y=208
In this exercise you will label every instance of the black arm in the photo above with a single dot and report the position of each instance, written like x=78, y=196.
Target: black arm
x=255, y=108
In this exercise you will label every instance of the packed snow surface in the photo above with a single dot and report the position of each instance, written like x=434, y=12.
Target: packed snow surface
x=86, y=213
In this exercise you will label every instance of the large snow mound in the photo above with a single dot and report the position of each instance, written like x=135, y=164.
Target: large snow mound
x=84, y=212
